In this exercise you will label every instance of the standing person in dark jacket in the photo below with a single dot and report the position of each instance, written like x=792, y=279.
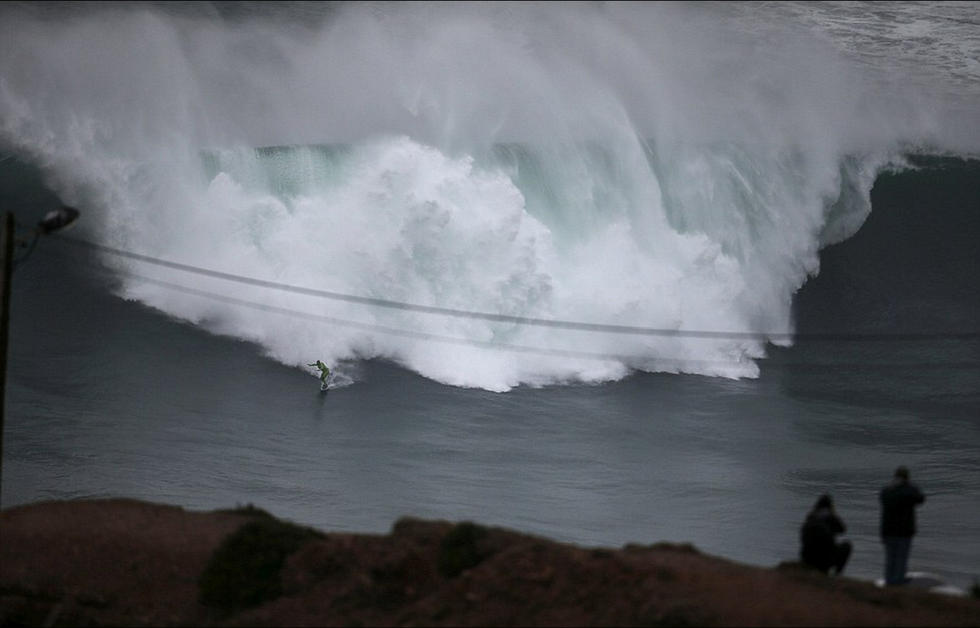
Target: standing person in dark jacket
x=818, y=546
x=898, y=502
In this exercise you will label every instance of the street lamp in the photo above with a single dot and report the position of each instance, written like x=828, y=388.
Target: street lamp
x=53, y=221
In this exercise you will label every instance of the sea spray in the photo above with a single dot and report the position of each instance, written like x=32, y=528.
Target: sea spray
x=641, y=166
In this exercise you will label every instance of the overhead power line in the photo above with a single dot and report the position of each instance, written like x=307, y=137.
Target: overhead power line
x=500, y=346
x=507, y=318
x=399, y=305
x=632, y=359
x=679, y=364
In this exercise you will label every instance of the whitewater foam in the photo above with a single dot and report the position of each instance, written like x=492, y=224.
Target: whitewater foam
x=633, y=165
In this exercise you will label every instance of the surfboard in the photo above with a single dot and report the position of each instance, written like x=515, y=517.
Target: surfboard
x=336, y=380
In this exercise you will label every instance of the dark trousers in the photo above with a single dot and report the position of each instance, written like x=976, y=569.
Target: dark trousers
x=841, y=555
x=833, y=557
x=896, y=558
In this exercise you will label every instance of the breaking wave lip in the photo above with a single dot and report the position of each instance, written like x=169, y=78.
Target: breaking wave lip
x=397, y=220
x=637, y=166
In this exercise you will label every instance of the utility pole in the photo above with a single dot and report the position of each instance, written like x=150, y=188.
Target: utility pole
x=52, y=221
x=6, y=274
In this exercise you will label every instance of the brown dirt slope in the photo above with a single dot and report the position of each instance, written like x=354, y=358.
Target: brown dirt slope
x=124, y=562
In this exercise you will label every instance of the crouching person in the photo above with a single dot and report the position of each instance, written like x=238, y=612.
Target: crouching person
x=819, y=546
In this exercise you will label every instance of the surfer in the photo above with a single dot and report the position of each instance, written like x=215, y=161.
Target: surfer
x=324, y=372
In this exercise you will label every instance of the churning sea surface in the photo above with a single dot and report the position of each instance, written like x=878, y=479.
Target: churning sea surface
x=756, y=224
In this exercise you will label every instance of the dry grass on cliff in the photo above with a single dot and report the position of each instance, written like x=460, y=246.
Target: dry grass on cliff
x=123, y=562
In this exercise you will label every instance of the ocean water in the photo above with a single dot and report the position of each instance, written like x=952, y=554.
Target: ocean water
x=756, y=224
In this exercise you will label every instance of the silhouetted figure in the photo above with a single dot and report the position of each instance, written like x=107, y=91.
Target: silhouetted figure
x=819, y=547
x=898, y=502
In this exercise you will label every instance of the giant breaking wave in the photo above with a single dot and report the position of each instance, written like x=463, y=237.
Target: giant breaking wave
x=637, y=165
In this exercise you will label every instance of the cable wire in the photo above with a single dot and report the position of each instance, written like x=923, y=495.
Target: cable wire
x=630, y=359
x=507, y=318
x=499, y=346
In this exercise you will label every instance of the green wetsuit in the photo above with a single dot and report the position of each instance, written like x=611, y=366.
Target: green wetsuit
x=324, y=371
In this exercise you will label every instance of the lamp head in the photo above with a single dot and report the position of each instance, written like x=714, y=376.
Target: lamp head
x=57, y=219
